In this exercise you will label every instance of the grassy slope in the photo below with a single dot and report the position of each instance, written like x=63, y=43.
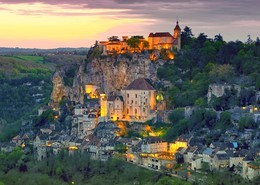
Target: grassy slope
x=18, y=66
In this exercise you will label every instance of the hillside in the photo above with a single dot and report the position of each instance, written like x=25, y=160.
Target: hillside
x=25, y=84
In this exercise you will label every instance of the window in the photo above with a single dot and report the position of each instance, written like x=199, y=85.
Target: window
x=136, y=102
x=132, y=101
x=135, y=111
x=127, y=95
x=143, y=109
x=135, y=95
x=127, y=111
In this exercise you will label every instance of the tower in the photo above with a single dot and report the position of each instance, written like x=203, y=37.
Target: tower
x=177, y=36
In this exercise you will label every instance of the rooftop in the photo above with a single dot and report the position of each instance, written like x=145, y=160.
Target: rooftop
x=140, y=84
x=160, y=34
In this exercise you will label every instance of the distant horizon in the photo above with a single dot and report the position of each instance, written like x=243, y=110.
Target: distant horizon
x=1, y=47
x=47, y=24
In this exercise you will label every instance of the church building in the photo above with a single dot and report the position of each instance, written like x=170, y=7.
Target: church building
x=137, y=102
x=165, y=40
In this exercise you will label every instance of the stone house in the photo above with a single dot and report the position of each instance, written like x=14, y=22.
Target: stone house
x=7, y=147
x=115, y=107
x=220, y=160
x=189, y=154
x=196, y=163
x=136, y=103
x=139, y=100
x=106, y=131
x=251, y=169
x=207, y=155
x=80, y=109
x=154, y=145
x=87, y=122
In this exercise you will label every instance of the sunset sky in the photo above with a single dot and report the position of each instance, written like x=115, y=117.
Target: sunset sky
x=78, y=23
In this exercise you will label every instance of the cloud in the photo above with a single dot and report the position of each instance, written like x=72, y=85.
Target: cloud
x=201, y=15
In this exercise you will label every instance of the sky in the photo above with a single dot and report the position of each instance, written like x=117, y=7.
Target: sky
x=79, y=23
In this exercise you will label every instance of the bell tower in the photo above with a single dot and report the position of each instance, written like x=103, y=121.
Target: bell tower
x=177, y=36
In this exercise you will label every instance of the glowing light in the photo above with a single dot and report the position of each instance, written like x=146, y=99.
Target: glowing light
x=255, y=109
x=103, y=105
x=159, y=97
x=73, y=148
x=23, y=145
x=91, y=90
x=49, y=144
x=123, y=128
x=244, y=108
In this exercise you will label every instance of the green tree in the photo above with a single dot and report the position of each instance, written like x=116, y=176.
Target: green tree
x=134, y=43
x=247, y=122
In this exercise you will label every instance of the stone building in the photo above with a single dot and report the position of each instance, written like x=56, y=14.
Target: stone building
x=158, y=40
x=154, y=145
x=137, y=102
x=165, y=40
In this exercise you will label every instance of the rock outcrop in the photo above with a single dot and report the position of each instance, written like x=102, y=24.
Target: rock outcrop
x=110, y=73
x=114, y=74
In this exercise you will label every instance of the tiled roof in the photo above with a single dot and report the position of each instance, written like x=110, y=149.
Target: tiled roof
x=140, y=84
x=112, y=98
x=160, y=34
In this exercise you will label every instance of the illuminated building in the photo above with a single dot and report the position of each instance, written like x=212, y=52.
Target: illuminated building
x=173, y=147
x=139, y=100
x=115, y=107
x=103, y=106
x=164, y=40
x=154, y=145
x=158, y=40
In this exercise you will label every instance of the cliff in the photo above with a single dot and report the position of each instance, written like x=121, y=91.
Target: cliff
x=111, y=73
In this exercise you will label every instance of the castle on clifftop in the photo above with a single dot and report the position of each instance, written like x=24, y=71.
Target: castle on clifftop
x=158, y=40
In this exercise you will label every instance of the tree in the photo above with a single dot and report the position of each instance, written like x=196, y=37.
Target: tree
x=113, y=38
x=225, y=120
x=218, y=38
x=257, y=42
x=222, y=73
x=134, y=43
x=176, y=115
x=186, y=36
x=201, y=39
x=247, y=122
x=145, y=44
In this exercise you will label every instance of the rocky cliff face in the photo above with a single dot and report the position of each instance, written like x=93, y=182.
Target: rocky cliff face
x=74, y=93
x=113, y=74
x=110, y=73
